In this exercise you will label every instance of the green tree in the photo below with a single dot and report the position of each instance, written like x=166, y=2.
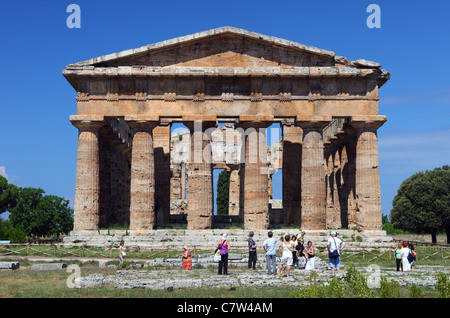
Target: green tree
x=8, y=195
x=422, y=203
x=37, y=214
x=223, y=193
x=8, y=232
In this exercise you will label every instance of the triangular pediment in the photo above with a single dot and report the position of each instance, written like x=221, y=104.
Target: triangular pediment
x=222, y=47
x=225, y=51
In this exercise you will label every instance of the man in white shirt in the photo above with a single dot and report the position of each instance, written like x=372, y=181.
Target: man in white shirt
x=334, y=244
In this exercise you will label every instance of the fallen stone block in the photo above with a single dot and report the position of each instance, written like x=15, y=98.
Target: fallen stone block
x=184, y=283
x=49, y=266
x=9, y=265
x=93, y=280
x=155, y=284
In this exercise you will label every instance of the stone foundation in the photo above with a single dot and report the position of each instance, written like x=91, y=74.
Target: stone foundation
x=208, y=239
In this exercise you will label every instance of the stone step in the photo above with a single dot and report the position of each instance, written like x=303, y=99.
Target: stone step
x=210, y=238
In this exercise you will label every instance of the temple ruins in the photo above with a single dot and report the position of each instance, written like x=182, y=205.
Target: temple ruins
x=227, y=86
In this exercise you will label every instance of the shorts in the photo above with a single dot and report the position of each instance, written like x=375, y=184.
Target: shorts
x=286, y=260
x=335, y=262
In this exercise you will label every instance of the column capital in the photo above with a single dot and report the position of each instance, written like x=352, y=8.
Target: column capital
x=87, y=122
x=371, y=122
x=288, y=121
x=142, y=122
x=254, y=121
x=312, y=121
x=206, y=122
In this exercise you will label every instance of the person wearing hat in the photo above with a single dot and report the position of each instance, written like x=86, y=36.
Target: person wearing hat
x=223, y=247
x=334, y=246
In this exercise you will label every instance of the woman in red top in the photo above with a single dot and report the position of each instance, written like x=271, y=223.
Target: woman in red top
x=187, y=261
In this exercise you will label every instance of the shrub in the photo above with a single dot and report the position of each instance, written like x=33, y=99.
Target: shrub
x=415, y=292
x=389, y=289
x=357, y=283
x=336, y=289
x=313, y=290
x=442, y=285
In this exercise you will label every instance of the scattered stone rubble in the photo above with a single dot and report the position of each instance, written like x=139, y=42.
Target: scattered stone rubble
x=163, y=278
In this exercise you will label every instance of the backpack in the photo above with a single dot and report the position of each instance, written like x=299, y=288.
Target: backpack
x=410, y=257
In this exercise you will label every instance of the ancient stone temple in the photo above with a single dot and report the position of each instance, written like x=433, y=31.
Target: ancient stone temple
x=326, y=105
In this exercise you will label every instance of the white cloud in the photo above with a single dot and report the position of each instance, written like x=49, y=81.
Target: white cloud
x=440, y=95
x=3, y=172
x=415, y=151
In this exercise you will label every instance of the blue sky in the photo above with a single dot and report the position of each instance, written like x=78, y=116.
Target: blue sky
x=38, y=144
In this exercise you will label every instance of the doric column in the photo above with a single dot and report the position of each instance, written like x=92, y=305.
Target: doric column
x=235, y=179
x=292, y=172
x=337, y=174
x=142, y=188
x=256, y=182
x=313, y=192
x=349, y=174
x=161, y=146
x=329, y=183
x=200, y=204
x=87, y=185
x=367, y=187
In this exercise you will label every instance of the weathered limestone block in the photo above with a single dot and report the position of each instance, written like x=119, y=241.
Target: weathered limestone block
x=9, y=265
x=93, y=280
x=48, y=266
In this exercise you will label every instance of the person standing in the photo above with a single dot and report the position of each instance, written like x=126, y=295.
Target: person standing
x=294, y=243
x=334, y=246
x=301, y=255
x=186, y=259
x=121, y=253
x=310, y=263
x=286, y=249
x=223, y=247
x=301, y=237
x=398, y=257
x=414, y=254
x=406, y=266
x=251, y=252
x=271, y=253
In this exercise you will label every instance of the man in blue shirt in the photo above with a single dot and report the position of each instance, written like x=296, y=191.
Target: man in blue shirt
x=271, y=253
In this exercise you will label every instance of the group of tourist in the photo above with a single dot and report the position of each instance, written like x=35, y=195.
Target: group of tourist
x=292, y=249
x=405, y=255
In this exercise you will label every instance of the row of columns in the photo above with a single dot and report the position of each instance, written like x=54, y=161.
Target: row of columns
x=310, y=210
